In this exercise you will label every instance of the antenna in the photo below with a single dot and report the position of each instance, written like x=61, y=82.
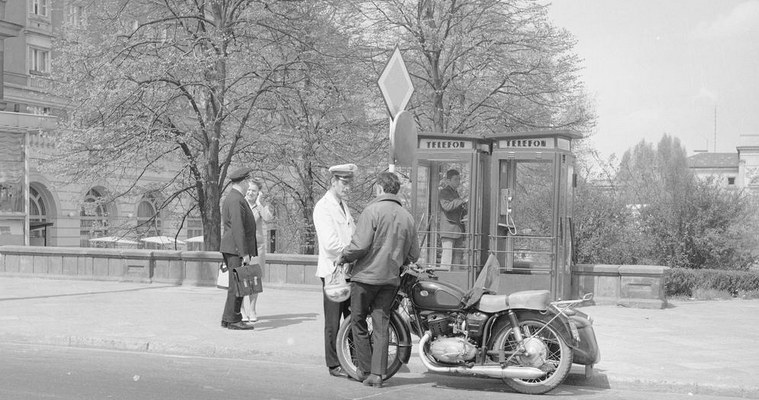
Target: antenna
x=715, y=128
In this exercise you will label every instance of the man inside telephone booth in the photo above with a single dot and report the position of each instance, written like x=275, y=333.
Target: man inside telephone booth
x=451, y=228
x=444, y=202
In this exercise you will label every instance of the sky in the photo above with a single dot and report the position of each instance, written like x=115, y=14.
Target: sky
x=664, y=66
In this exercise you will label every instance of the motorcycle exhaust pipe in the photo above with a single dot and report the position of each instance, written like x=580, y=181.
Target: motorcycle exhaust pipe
x=492, y=371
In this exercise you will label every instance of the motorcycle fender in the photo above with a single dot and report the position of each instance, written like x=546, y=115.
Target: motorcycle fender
x=561, y=324
x=404, y=336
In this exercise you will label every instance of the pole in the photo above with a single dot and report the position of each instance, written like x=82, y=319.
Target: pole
x=391, y=156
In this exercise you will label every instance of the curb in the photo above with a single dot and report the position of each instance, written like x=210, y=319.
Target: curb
x=605, y=381
x=158, y=347
x=575, y=378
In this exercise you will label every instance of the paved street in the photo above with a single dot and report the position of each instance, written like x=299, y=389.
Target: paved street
x=705, y=348
x=32, y=372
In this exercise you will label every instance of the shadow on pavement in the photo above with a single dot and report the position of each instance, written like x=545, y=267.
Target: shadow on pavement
x=476, y=384
x=266, y=322
x=86, y=293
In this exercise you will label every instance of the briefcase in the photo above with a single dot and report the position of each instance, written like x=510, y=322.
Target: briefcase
x=248, y=280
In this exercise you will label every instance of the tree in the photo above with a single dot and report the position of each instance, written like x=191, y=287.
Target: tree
x=288, y=88
x=655, y=211
x=170, y=83
x=485, y=66
x=325, y=111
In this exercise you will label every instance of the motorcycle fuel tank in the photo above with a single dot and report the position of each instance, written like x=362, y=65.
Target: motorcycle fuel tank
x=436, y=295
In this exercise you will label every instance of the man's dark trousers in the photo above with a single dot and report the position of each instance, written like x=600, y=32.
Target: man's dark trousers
x=333, y=312
x=377, y=300
x=232, y=306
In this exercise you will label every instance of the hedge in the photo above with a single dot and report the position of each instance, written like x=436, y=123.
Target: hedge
x=683, y=281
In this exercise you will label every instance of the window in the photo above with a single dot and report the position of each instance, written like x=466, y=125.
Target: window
x=93, y=218
x=731, y=180
x=40, y=7
x=36, y=110
x=37, y=210
x=148, y=218
x=75, y=15
x=39, y=60
x=37, y=217
x=194, y=230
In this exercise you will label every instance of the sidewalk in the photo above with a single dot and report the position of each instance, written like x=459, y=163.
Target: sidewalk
x=704, y=347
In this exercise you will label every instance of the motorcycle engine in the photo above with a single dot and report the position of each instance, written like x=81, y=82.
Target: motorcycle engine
x=440, y=324
x=454, y=350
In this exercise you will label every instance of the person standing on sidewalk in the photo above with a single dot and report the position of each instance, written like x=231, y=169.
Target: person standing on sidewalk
x=385, y=240
x=238, y=243
x=334, y=227
x=262, y=214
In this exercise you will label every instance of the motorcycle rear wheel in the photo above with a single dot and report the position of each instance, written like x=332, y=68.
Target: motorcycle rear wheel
x=557, y=358
x=347, y=355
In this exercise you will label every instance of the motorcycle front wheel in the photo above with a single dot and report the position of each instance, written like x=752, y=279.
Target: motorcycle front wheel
x=346, y=351
x=547, y=351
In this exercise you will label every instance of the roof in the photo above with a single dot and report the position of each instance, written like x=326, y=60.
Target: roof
x=713, y=160
x=748, y=141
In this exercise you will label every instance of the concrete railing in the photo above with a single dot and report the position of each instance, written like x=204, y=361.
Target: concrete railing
x=639, y=286
x=197, y=268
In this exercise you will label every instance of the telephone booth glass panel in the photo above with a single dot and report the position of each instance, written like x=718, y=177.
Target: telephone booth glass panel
x=526, y=214
x=525, y=241
x=443, y=195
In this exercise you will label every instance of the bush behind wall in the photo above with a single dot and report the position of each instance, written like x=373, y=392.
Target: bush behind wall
x=685, y=281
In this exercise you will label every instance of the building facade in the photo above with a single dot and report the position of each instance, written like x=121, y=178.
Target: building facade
x=738, y=170
x=36, y=206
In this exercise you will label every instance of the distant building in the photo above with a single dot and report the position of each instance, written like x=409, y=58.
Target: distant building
x=738, y=170
x=38, y=208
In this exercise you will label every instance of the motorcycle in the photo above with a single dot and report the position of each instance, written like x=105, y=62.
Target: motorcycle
x=522, y=338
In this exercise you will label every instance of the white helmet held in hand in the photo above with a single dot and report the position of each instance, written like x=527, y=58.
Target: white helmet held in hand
x=338, y=292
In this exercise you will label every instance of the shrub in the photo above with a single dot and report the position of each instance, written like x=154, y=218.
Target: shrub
x=686, y=281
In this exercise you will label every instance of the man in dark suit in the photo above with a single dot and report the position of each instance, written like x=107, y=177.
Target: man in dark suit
x=238, y=243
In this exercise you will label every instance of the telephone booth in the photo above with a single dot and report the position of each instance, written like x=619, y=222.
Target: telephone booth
x=453, y=241
x=512, y=197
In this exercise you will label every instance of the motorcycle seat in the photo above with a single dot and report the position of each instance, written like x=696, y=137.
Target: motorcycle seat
x=491, y=303
x=526, y=299
x=530, y=299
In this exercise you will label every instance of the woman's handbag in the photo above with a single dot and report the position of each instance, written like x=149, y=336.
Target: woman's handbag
x=222, y=280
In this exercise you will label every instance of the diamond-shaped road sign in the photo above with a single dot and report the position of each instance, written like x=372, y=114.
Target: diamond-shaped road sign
x=395, y=84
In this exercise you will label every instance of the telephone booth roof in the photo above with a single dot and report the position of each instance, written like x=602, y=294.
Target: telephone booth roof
x=565, y=133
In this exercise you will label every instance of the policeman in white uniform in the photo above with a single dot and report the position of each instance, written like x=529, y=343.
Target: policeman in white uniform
x=334, y=228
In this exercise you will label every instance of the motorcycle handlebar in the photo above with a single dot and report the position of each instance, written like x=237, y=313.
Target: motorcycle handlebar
x=417, y=270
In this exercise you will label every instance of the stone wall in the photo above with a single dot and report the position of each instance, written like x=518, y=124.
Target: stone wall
x=196, y=268
x=640, y=286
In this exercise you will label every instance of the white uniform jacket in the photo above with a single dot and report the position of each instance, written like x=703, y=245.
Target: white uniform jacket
x=334, y=228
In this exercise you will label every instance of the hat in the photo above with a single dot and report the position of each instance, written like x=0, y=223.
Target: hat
x=343, y=171
x=240, y=174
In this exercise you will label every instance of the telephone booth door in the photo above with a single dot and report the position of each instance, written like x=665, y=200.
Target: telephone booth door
x=531, y=197
x=449, y=206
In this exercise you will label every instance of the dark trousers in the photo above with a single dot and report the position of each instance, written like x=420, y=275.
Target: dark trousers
x=233, y=303
x=333, y=313
x=377, y=300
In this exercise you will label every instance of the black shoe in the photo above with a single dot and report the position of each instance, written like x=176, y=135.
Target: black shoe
x=224, y=324
x=373, y=380
x=338, y=372
x=240, y=326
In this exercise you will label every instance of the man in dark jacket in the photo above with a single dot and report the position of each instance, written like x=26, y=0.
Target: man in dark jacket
x=385, y=239
x=238, y=243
